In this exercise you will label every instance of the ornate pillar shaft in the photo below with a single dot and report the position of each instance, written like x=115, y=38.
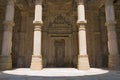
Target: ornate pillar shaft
x=36, y=63
x=83, y=62
x=81, y=10
x=8, y=26
x=38, y=10
x=6, y=61
x=112, y=37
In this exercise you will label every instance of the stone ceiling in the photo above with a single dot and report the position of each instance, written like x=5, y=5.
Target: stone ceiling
x=25, y=4
x=29, y=4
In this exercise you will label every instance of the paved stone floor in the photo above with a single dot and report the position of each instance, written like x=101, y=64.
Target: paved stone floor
x=59, y=74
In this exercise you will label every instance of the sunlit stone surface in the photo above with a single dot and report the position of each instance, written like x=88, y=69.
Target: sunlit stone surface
x=59, y=74
x=60, y=34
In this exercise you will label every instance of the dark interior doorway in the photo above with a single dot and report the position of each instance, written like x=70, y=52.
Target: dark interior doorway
x=59, y=52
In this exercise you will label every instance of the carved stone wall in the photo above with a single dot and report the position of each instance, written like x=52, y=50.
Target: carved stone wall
x=1, y=28
x=22, y=39
x=96, y=38
x=59, y=24
x=2, y=16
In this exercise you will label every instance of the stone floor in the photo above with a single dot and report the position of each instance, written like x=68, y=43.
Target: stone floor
x=59, y=74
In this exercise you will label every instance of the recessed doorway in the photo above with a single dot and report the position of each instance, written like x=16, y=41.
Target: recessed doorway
x=59, y=52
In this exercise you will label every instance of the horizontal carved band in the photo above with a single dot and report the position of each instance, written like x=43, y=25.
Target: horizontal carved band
x=37, y=56
x=82, y=55
x=110, y=23
x=81, y=27
x=9, y=23
x=8, y=28
x=38, y=23
x=81, y=22
x=37, y=28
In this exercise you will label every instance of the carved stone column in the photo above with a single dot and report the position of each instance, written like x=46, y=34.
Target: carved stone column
x=5, y=58
x=36, y=63
x=114, y=57
x=83, y=62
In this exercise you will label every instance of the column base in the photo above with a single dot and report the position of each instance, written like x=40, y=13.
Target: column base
x=5, y=62
x=114, y=62
x=36, y=63
x=83, y=62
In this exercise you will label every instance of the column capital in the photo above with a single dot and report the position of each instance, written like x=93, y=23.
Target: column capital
x=38, y=2
x=109, y=2
x=11, y=2
x=80, y=2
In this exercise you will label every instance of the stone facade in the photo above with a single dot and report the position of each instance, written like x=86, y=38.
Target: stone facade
x=60, y=39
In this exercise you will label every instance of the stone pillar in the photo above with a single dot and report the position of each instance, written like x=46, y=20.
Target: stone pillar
x=36, y=63
x=114, y=57
x=5, y=58
x=83, y=62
